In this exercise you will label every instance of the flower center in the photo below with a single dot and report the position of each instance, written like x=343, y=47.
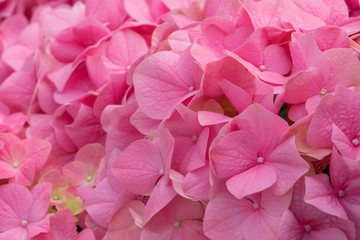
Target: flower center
x=56, y=197
x=307, y=228
x=256, y=206
x=341, y=193
x=177, y=224
x=262, y=68
x=191, y=89
x=24, y=223
x=195, y=138
x=260, y=160
x=15, y=164
x=355, y=142
x=89, y=178
x=161, y=172
x=323, y=92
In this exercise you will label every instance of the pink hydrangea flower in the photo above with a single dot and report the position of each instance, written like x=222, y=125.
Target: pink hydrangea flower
x=23, y=213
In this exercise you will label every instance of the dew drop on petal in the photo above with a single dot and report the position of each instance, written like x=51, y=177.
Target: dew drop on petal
x=307, y=228
x=341, y=193
x=355, y=142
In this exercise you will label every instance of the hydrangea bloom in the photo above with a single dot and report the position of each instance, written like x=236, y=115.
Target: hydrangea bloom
x=167, y=119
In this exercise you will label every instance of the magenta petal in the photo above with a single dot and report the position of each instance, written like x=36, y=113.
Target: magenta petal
x=253, y=180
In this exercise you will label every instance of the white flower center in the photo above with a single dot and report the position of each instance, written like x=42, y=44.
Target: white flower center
x=15, y=164
x=355, y=142
x=195, y=138
x=256, y=206
x=323, y=92
x=24, y=223
x=161, y=172
x=177, y=224
x=307, y=228
x=260, y=160
x=262, y=68
x=89, y=178
x=341, y=193
x=56, y=197
x=191, y=89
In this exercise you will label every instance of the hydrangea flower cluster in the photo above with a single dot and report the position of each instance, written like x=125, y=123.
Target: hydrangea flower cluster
x=177, y=120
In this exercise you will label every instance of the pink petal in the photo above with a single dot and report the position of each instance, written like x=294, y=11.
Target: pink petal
x=162, y=194
x=122, y=225
x=100, y=202
x=267, y=134
x=125, y=47
x=139, y=166
x=253, y=180
x=320, y=194
x=18, y=89
x=41, y=194
x=235, y=153
x=15, y=56
x=163, y=80
x=277, y=59
x=63, y=225
x=109, y=12
x=288, y=165
x=38, y=150
x=16, y=202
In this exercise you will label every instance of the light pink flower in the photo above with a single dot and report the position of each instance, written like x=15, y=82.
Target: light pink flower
x=303, y=221
x=23, y=213
x=254, y=217
x=340, y=197
x=337, y=122
x=253, y=157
